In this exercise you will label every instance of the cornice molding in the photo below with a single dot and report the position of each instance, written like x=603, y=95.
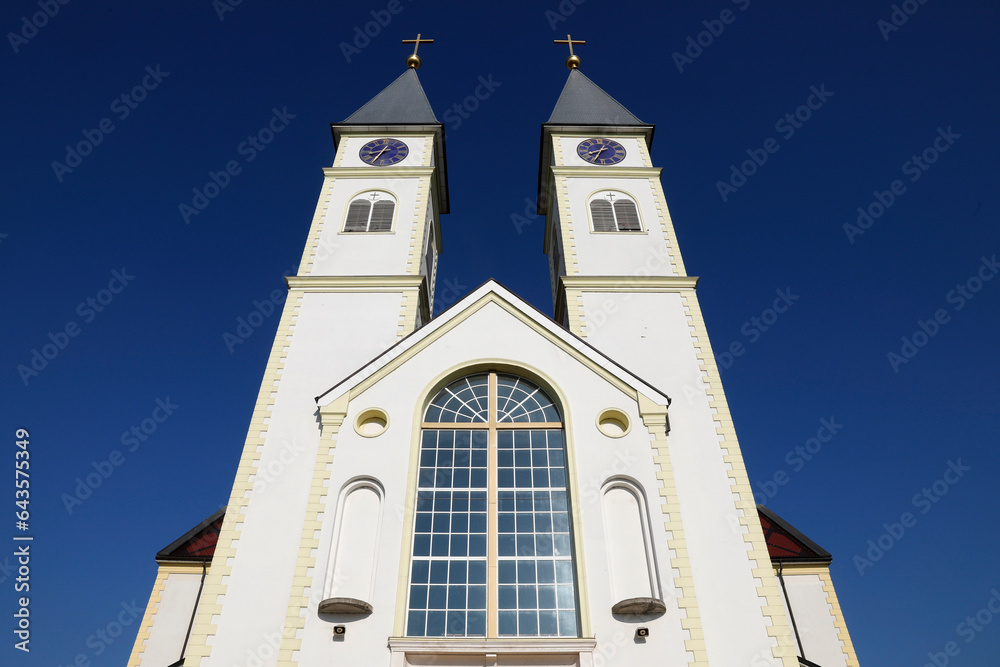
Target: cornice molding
x=608, y=172
x=454, y=645
x=354, y=283
x=629, y=283
x=377, y=172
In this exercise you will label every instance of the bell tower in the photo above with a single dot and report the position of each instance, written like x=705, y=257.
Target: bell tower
x=365, y=281
x=618, y=281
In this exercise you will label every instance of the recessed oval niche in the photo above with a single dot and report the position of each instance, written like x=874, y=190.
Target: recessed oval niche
x=613, y=423
x=372, y=423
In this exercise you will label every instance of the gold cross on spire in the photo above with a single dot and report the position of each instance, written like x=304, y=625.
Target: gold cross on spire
x=413, y=60
x=573, y=62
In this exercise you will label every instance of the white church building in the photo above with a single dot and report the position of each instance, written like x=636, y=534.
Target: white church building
x=494, y=486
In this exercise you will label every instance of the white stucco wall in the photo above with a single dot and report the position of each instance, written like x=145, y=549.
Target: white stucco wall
x=170, y=624
x=814, y=620
x=493, y=334
x=617, y=253
x=565, y=151
x=350, y=147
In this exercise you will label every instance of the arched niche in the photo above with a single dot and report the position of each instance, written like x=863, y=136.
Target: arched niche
x=631, y=562
x=351, y=575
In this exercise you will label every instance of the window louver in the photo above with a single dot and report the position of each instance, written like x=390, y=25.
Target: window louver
x=382, y=216
x=604, y=217
x=357, y=216
x=628, y=216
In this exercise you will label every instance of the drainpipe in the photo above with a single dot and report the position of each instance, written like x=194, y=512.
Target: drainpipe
x=791, y=614
x=194, y=611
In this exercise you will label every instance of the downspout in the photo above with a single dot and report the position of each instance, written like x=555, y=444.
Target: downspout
x=791, y=614
x=194, y=611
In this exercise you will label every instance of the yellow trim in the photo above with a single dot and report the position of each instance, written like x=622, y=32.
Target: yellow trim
x=305, y=564
x=162, y=572
x=667, y=225
x=593, y=172
x=209, y=608
x=744, y=504
x=838, y=620
x=311, y=248
x=630, y=283
x=353, y=283
x=655, y=418
x=377, y=172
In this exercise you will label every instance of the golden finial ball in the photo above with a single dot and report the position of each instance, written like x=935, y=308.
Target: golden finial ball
x=573, y=62
x=413, y=61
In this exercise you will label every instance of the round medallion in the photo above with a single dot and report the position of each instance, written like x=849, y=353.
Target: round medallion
x=384, y=152
x=601, y=151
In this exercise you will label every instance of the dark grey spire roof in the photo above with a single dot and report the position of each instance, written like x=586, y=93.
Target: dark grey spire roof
x=582, y=102
x=402, y=102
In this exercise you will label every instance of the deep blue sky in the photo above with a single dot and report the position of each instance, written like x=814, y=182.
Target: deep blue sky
x=825, y=358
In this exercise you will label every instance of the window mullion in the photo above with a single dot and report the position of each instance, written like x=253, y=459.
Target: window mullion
x=492, y=530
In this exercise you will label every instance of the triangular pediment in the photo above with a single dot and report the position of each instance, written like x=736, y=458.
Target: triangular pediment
x=515, y=313
x=198, y=544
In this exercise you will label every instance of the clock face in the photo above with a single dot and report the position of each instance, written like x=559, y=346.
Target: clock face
x=601, y=151
x=384, y=152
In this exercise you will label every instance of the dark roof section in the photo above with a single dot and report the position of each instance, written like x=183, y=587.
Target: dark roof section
x=401, y=106
x=785, y=544
x=198, y=544
x=583, y=102
x=402, y=102
x=583, y=107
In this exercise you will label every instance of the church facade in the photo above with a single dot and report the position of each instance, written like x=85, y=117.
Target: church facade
x=493, y=486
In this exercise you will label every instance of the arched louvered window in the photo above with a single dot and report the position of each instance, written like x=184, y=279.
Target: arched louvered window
x=492, y=543
x=614, y=212
x=370, y=212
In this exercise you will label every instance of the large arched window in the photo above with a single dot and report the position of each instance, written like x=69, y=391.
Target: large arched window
x=370, y=212
x=492, y=546
x=614, y=212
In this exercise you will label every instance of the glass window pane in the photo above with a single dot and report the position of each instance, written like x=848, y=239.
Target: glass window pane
x=507, y=597
x=439, y=572
x=548, y=623
x=547, y=597
x=567, y=624
x=477, y=572
x=357, y=216
x=627, y=216
x=382, y=216
x=507, y=572
x=476, y=626
x=603, y=215
x=435, y=624
x=415, y=624
x=477, y=597
x=418, y=597
x=419, y=572
x=527, y=623
x=437, y=597
x=508, y=623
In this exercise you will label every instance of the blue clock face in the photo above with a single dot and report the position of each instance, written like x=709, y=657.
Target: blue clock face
x=384, y=152
x=601, y=151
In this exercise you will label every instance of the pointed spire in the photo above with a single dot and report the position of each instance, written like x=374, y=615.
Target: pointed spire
x=582, y=102
x=402, y=102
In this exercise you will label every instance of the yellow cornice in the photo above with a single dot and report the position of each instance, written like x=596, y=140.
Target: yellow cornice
x=377, y=172
x=630, y=283
x=608, y=172
x=353, y=283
